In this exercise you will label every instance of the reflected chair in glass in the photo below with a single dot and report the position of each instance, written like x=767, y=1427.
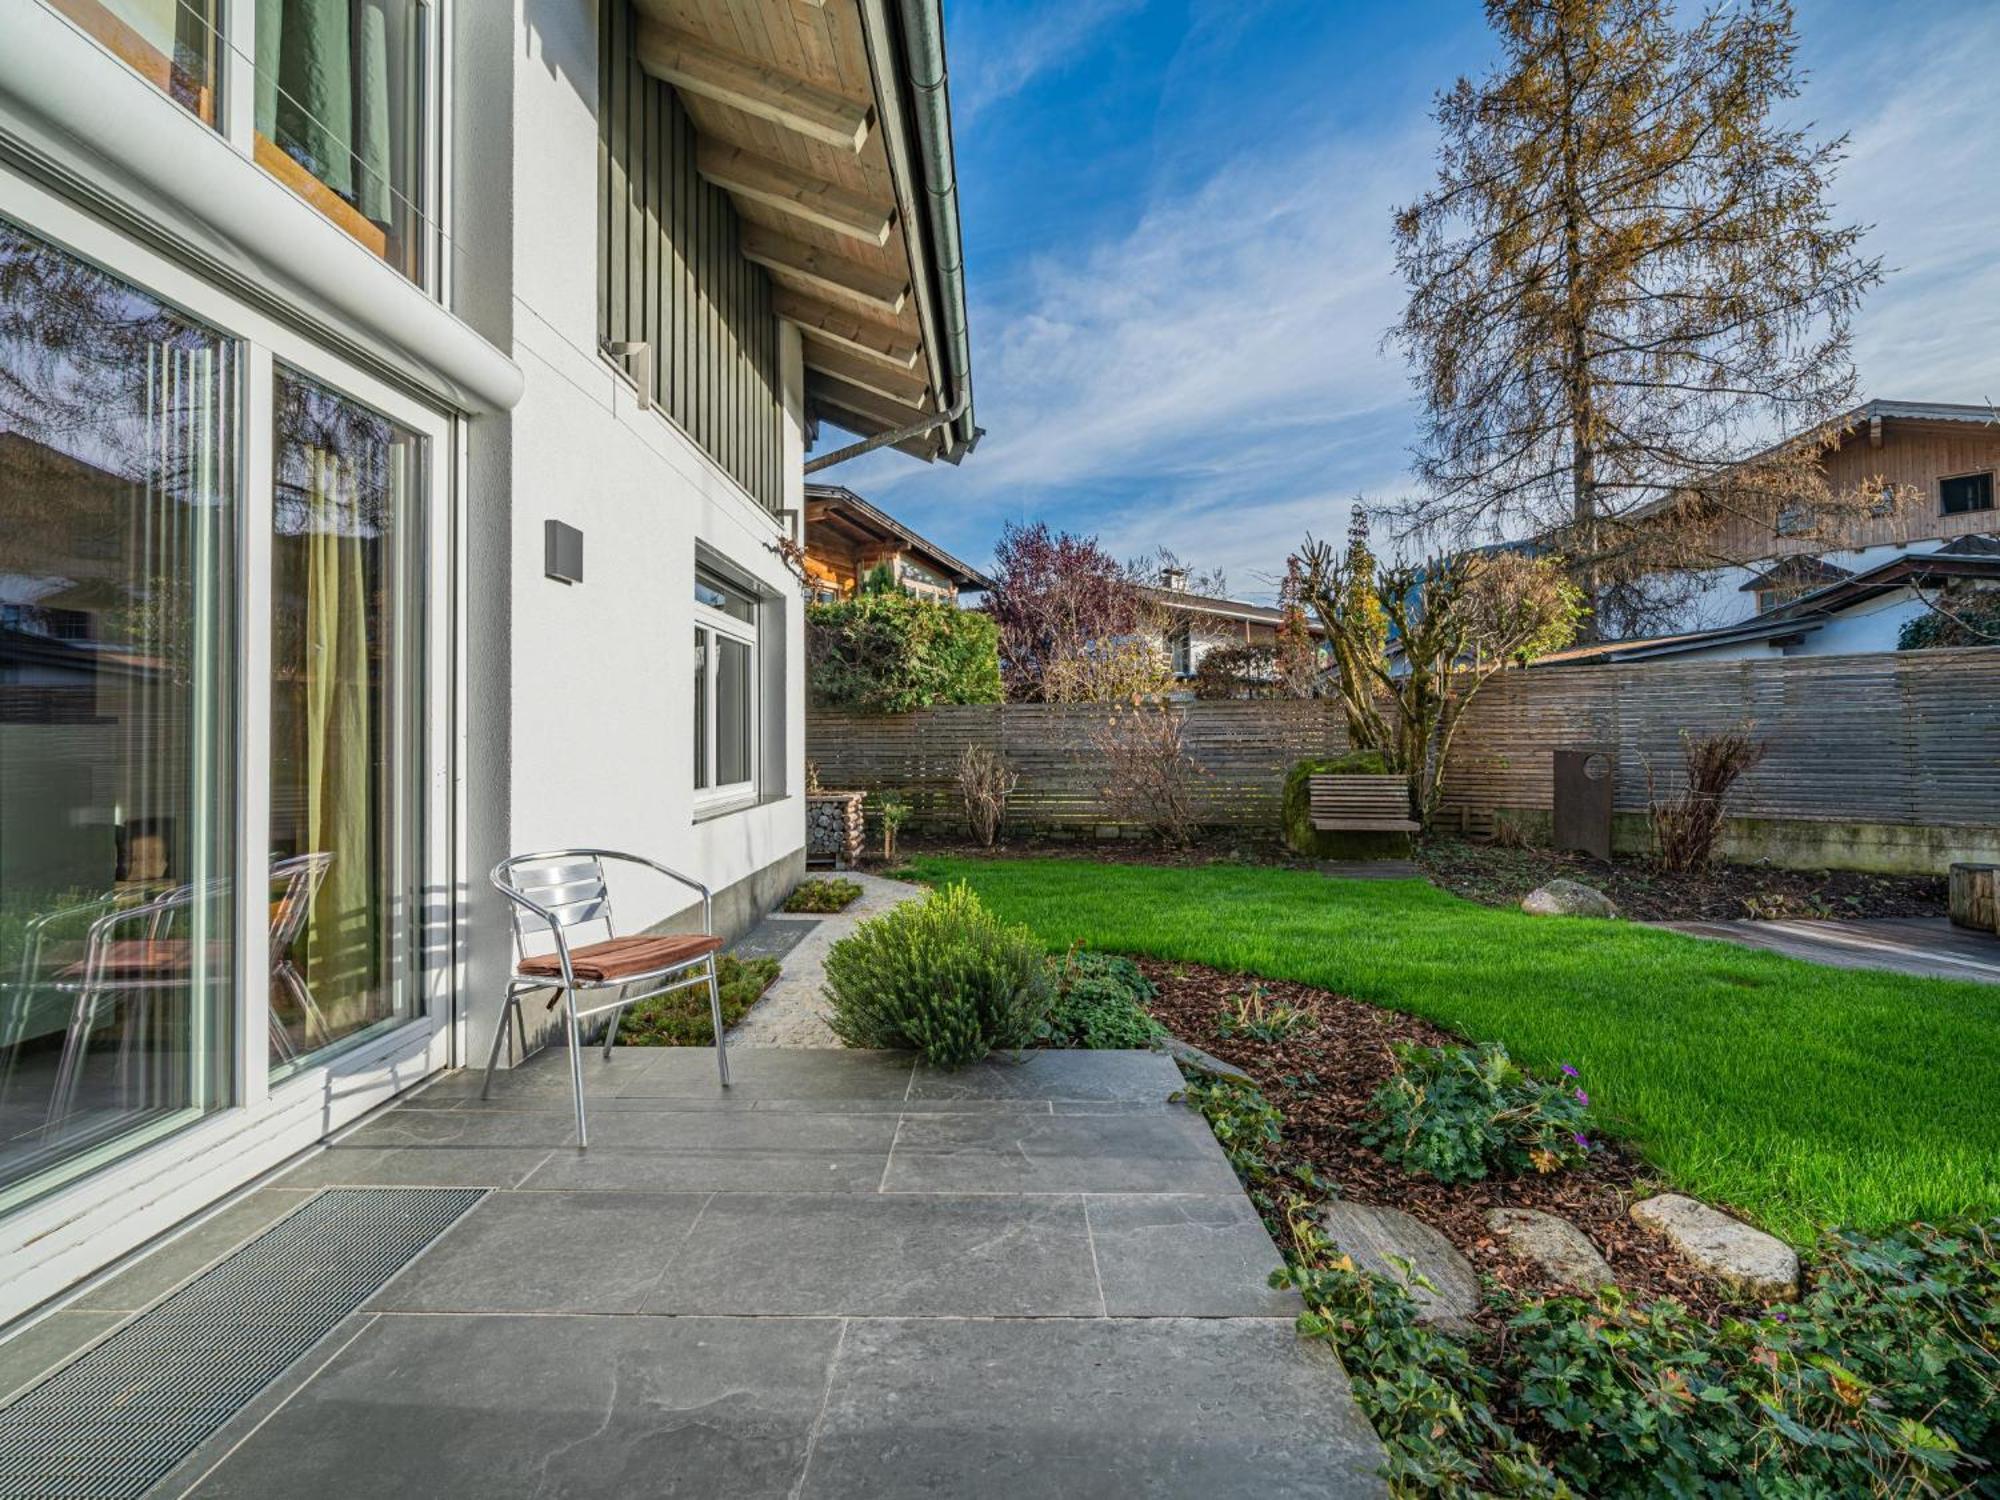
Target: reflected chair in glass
x=559, y=891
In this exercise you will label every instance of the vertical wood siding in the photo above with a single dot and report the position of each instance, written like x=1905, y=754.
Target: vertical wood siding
x=671, y=273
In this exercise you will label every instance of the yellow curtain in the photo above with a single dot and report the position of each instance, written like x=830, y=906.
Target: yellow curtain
x=340, y=939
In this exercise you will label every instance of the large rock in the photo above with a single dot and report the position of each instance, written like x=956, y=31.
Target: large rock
x=1568, y=898
x=1370, y=1236
x=1563, y=1251
x=1747, y=1261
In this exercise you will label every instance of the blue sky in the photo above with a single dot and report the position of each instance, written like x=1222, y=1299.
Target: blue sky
x=1177, y=238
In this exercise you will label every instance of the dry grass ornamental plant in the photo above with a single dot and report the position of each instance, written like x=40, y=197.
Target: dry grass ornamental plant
x=985, y=782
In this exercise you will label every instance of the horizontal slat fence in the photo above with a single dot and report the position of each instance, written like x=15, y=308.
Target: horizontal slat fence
x=1908, y=738
x=1897, y=738
x=1243, y=749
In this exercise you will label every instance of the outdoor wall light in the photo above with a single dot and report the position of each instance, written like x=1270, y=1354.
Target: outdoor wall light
x=562, y=552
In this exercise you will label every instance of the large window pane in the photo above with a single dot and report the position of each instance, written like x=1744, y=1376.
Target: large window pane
x=117, y=651
x=174, y=43
x=340, y=115
x=346, y=733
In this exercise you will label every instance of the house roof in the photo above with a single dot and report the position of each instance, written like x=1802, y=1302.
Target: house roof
x=840, y=506
x=1223, y=609
x=1800, y=570
x=1803, y=615
x=1857, y=419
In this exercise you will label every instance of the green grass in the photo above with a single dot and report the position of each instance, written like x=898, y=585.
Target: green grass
x=682, y=1019
x=1800, y=1095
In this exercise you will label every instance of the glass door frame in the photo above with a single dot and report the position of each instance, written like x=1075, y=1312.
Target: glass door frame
x=177, y=1173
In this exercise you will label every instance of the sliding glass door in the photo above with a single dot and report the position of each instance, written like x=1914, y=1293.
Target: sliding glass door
x=347, y=726
x=226, y=721
x=119, y=512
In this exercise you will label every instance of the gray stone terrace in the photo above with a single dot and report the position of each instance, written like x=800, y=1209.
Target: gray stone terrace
x=850, y=1276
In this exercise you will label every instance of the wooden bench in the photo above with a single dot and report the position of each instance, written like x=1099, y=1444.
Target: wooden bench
x=1361, y=804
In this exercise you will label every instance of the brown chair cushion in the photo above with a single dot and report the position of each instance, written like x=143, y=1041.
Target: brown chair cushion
x=623, y=958
x=138, y=958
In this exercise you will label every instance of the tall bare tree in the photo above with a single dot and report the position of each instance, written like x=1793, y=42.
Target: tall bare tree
x=1627, y=278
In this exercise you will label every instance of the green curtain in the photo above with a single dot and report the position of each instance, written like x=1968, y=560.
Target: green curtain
x=339, y=941
x=326, y=91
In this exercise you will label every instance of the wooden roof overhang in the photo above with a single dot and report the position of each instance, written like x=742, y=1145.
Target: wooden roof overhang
x=837, y=513
x=789, y=100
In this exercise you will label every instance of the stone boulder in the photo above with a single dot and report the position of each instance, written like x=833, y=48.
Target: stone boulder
x=1563, y=1251
x=1191, y=1056
x=1375, y=1239
x=1568, y=898
x=1748, y=1261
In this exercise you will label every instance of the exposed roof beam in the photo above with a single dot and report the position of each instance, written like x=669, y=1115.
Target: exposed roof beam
x=696, y=68
x=877, y=341
x=925, y=447
x=794, y=193
x=824, y=270
x=863, y=402
x=897, y=385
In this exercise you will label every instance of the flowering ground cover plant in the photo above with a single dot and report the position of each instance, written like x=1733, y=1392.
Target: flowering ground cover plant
x=1457, y=1113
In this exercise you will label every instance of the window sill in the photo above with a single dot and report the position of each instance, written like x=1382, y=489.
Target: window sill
x=710, y=813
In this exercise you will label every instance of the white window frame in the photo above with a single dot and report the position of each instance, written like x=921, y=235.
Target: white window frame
x=55, y=1239
x=715, y=623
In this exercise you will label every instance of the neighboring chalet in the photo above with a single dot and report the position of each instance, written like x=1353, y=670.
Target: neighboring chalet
x=847, y=538
x=1197, y=624
x=1828, y=612
x=1948, y=454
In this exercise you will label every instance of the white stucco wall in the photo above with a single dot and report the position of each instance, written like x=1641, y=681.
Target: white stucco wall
x=602, y=671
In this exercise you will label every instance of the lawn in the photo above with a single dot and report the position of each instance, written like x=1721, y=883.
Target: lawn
x=1800, y=1095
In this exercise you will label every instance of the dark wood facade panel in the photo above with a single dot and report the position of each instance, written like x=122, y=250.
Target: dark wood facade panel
x=671, y=274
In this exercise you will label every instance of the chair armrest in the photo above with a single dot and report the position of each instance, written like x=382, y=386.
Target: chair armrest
x=548, y=917
x=707, y=897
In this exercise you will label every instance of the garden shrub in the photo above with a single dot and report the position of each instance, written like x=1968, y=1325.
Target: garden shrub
x=681, y=1019
x=942, y=976
x=889, y=653
x=1101, y=1004
x=823, y=895
x=1455, y=1113
x=1252, y=1016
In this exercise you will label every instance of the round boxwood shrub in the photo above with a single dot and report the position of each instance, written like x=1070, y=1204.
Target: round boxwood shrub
x=943, y=977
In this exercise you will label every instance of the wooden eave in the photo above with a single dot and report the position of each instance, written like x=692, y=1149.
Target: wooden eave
x=783, y=101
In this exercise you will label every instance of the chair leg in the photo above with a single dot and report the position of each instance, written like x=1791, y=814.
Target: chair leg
x=576, y=1065
x=500, y=1035
x=611, y=1031
x=715, y=1013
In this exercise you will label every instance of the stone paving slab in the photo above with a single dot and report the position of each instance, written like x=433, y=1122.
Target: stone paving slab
x=1926, y=947
x=1087, y=1408
x=815, y=1287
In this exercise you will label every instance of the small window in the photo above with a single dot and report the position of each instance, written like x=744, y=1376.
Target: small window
x=725, y=690
x=1181, y=643
x=1795, y=519
x=1964, y=493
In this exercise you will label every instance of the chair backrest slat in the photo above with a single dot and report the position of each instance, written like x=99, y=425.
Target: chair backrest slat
x=571, y=888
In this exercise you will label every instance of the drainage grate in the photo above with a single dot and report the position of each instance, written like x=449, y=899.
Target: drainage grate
x=117, y=1418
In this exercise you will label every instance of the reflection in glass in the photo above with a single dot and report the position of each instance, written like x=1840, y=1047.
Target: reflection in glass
x=732, y=712
x=172, y=43
x=117, y=530
x=340, y=115
x=346, y=638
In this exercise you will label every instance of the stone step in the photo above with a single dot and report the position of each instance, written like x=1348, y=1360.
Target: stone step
x=1374, y=1238
x=1563, y=1251
x=1747, y=1261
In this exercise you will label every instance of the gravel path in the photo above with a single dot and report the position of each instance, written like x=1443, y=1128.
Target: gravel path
x=793, y=1012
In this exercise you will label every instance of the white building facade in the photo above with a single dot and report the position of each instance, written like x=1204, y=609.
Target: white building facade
x=400, y=452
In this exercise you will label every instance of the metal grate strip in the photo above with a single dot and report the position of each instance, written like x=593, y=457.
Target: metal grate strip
x=117, y=1418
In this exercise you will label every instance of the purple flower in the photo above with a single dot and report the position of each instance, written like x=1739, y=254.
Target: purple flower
x=1583, y=1142
x=1583, y=1098
x=1568, y=1071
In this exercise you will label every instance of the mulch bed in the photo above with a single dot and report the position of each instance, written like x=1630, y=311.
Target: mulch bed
x=1321, y=1077
x=1500, y=876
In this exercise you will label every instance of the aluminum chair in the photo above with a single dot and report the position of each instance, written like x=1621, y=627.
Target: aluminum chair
x=560, y=890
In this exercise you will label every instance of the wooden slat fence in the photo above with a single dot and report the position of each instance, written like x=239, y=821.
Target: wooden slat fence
x=1908, y=738
x=1244, y=750
x=1897, y=738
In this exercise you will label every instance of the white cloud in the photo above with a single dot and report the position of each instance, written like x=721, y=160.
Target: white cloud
x=1223, y=356
x=1005, y=50
x=1924, y=170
